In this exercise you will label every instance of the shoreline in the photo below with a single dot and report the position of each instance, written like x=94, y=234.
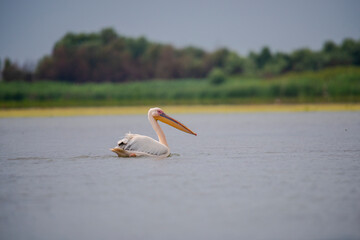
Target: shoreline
x=181, y=109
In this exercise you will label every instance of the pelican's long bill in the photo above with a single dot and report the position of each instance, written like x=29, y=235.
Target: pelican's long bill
x=174, y=123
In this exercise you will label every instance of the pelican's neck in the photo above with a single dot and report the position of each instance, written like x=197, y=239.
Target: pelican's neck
x=158, y=130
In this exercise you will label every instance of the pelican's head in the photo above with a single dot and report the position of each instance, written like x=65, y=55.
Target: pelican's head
x=158, y=114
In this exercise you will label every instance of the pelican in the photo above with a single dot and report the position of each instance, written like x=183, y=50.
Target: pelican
x=133, y=145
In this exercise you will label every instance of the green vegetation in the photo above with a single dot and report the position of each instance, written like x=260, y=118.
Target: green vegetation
x=217, y=76
x=107, y=69
x=107, y=56
x=341, y=84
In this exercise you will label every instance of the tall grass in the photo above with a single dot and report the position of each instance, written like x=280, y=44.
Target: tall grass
x=330, y=85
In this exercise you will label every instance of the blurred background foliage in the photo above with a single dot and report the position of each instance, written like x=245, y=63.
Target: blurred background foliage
x=109, y=57
x=338, y=84
x=79, y=62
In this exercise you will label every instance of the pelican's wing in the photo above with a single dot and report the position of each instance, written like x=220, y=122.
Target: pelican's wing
x=143, y=145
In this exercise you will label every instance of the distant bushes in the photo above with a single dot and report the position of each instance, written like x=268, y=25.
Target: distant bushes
x=107, y=56
x=329, y=85
x=217, y=76
x=12, y=72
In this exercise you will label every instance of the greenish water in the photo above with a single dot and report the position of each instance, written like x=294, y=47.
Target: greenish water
x=245, y=176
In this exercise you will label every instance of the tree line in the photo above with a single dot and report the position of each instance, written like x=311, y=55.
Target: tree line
x=107, y=56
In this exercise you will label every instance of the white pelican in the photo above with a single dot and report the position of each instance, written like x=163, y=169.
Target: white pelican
x=138, y=145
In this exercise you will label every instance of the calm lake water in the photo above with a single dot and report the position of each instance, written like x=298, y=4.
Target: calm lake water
x=245, y=176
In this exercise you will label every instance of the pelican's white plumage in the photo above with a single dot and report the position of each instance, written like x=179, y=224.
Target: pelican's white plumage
x=143, y=145
x=133, y=145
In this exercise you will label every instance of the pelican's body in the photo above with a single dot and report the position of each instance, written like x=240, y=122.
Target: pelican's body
x=142, y=145
x=133, y=145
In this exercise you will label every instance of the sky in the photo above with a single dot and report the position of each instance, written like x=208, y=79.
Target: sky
x=29, y=28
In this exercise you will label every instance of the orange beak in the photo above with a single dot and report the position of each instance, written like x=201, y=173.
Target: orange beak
x=174, y=123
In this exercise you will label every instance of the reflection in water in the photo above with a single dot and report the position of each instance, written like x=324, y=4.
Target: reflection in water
x=29, y=158
x=93, y=157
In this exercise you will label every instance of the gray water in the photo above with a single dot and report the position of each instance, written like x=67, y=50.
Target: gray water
x=245, y=176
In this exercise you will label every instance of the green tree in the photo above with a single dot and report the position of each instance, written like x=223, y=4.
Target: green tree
x=329, y=47
x=137, y=47
x=234, y=64
x=280, y=63
x=219, y=57
x=108, y=35
x=264, y=57
x=217, y=76
x=12, y=71
x=352, y=49
x=305, y=59
x=334, y=55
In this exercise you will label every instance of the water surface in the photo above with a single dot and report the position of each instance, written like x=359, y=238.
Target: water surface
x=245, y=176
